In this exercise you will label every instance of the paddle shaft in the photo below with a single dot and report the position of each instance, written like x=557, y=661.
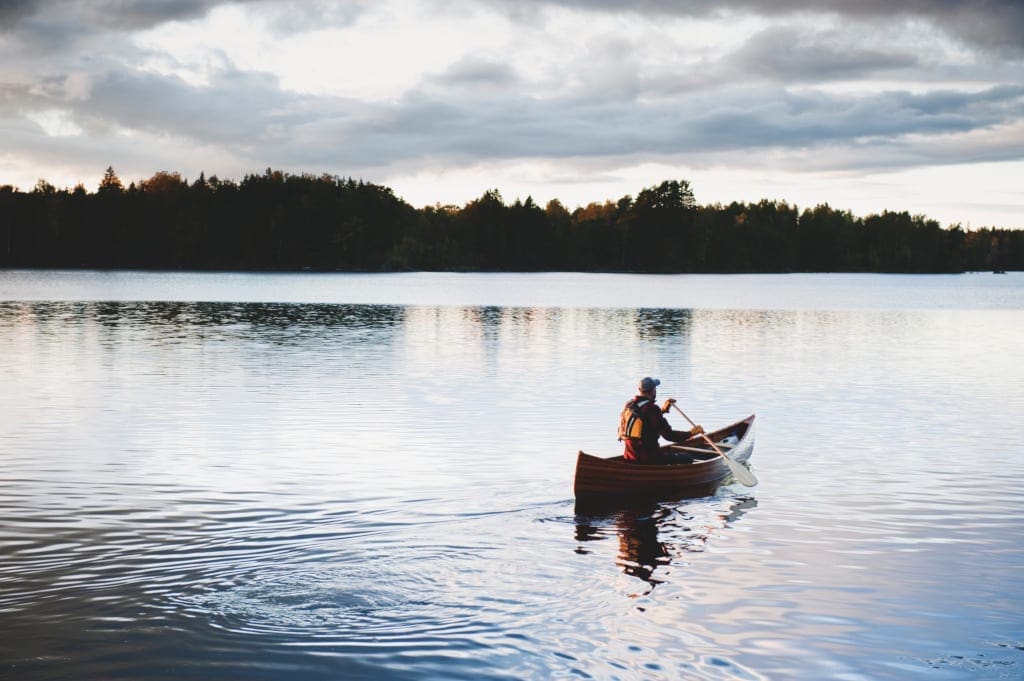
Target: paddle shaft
x=742, y=474
x=703, y=434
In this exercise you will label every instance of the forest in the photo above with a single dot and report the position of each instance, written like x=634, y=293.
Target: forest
x=281, y=221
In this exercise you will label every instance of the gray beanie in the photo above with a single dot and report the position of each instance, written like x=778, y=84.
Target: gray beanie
x=647, y=384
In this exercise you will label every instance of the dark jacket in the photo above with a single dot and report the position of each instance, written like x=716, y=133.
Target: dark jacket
x=646, y=448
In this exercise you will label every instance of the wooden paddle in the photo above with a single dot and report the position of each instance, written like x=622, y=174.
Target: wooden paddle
x=739, y=471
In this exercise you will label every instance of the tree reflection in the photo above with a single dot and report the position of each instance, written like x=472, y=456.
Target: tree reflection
x=662, y=323
x=277, y=323
x=653, y=534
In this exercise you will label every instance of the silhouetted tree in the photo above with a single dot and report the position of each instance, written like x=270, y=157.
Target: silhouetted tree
x=110, y=182
x=658, y=232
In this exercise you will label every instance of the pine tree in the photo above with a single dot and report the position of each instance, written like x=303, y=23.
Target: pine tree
x=110, y=182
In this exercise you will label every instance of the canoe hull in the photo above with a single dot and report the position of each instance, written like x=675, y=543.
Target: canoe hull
x=603, y=477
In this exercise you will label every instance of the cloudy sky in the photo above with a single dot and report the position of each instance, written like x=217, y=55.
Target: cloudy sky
x=911, y=105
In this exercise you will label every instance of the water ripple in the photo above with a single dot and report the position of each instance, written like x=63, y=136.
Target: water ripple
x=272, y=491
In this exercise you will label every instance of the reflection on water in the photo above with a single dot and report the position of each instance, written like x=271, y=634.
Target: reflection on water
x=297, y=319
x=653, y=534
x=661, y=324
x=647, y=324
x=321, y=490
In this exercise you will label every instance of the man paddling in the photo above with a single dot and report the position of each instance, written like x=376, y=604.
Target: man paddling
x=643, y=422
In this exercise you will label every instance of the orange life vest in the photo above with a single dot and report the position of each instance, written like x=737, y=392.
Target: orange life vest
x=631, y=422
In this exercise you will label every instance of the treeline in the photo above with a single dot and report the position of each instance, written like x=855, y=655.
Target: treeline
x=277, y=220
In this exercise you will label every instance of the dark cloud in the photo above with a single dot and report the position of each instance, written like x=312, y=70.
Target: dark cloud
x=142, y=14
x=235, y=109
x=53, y=28
x=57, y=28
x=741, y=119
x=987, y=24
x=474, y=71
x=791, y=54
x=12, y=11
x=128, y=14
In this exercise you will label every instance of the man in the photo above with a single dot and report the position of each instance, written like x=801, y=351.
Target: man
x=643, y=422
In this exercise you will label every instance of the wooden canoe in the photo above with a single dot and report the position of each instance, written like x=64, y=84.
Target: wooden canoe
x=700, y=476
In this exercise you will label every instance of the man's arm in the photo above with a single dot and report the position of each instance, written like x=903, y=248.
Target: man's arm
x=665, y=430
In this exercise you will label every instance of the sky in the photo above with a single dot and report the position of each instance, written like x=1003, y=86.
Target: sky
x=906, y=105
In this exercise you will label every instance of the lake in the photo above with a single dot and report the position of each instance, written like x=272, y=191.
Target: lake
x=365, y=476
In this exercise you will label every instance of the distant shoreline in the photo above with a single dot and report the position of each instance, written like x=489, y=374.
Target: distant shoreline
x=297, y=223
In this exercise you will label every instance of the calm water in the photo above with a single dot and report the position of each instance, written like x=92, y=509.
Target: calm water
x=238, y=476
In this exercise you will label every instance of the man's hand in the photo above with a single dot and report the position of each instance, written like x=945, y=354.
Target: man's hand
x=668, y=405
x=696, y=430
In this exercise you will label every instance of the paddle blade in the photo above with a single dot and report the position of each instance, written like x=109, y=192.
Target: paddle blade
x=740, y=472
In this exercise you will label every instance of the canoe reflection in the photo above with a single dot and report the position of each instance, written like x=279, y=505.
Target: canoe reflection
x=652, y=535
